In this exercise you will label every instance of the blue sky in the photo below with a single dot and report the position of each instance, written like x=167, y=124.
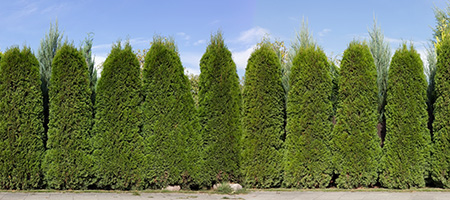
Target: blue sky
x=190, y=22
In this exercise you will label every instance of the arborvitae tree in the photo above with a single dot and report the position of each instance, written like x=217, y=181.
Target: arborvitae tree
x=219, y=112
x=440, y=162
x=68, y=163
x=335, y=73
x=355, y=144
x=86, y=49
x=308, y=157
x=381, y=53
x=118, y=144
x=171, y=130
x=406, y=152
x=21, y=127
x=50, y=44
x=263, y=119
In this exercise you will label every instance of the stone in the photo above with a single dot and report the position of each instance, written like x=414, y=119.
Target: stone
x=236, y=186
x=173, y=188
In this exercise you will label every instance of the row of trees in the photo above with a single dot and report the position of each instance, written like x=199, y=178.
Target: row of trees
x=297, y=122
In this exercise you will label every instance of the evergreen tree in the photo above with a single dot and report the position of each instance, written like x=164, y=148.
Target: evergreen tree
x=263, y=119
x=50, y=44
x=440, y=162
x=68, y=162
x=86, y=49
x=118, y=144
x=171, y=130
x=219, y=112
x=21, y=127
x=308, y=157
x=381, y=53
x=406, y=152
x=355, y=144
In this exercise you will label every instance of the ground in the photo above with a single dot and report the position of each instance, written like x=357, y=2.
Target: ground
x=256, y=195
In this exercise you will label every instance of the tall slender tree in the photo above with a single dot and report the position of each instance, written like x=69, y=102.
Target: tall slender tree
x=68, y=162
x=219, y=112
x=263, y=119
x=118, y=144
x=171, y=129
x=86, y=49
x=381, y=53
x=21, y=127
x=355, y=144
x=406, y=152
x=440, y=162
x=308, y=157
x=50, y=44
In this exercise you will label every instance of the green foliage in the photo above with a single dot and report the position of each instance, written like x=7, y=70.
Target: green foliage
x=50, y=44
x=68, y=163
x=219, y=112
x=118, y=144
x=335, y=74
x=381, y=53
x=308, y=157
x=263, y=119
x=171, y=130
x=406, y=152
x=21, y=127
x=430, y=72
x=355, y=144
x=86, y=50
x=194, y=81
x=440, y=171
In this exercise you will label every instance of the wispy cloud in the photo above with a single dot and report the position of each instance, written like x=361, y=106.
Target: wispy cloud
x=199, y=42
x=252, y=35
x=184, y=35
x=241, y=57
x=214, y=22
x=324, y=32
x=191, y=61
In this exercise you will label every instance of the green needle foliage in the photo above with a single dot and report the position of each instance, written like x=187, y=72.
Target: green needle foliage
x=440, y=171
x=219, y=112
x=50, y=44
x=309, y=109
x=118, y=144
x=68, y=163
x=406, y=152
x=86, y=49
x=21, y=127
x=171, y=130
x=356, y=146
x=263, y=119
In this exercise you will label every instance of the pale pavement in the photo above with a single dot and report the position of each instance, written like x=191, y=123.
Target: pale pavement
x=258, y=195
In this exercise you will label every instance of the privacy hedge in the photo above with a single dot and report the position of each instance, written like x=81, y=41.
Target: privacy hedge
x=263, y=120
x=22, y=118
x=118, y=144
x=406, y=151
x=309, y=110
x=68, y=162
x=219, y=112
x=355, y=144
x=171, y=130
x=440, y=171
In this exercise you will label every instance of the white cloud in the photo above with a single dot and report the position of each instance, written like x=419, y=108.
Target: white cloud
x=184, y=35
x=241, y=57
x=191, y=61
x=214, y=22
x=102, y=46
x=324, y=32
x=252, y=35
x=199, y=42
x=99, y=60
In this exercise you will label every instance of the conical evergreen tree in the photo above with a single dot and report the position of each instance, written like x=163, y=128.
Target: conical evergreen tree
x=263, y=119
x=21, y=127
x=355, y=144
x=219, y=112
x=406, y=152
x=171, y=130
x=309, y=111
x=440, y=165
x=118, y=144
x=68, y=162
